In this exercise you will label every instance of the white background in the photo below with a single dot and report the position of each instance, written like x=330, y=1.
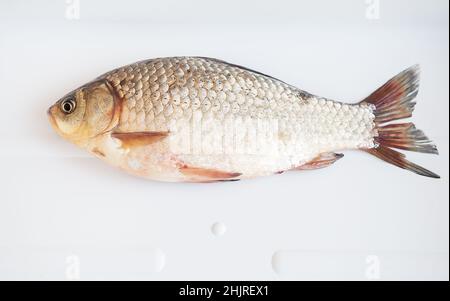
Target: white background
x=66, y=215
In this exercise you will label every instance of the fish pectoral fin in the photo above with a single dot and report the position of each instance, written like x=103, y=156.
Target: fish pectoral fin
x=137, y=139
x=323, y=160
x=198, y=174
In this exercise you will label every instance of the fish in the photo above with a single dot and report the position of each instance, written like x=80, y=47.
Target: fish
x=203, y=120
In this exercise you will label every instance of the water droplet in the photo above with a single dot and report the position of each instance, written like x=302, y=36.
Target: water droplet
x=134, y=164
x=218, y=229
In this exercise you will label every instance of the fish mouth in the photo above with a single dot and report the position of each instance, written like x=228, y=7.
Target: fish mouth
x=51, y=119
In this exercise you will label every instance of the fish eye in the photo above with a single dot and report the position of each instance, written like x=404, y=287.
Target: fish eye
x=68, y=105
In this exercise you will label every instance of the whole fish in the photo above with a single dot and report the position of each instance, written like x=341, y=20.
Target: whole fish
x=196, y=119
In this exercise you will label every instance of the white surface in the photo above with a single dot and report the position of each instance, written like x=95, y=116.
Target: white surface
x=65, y=215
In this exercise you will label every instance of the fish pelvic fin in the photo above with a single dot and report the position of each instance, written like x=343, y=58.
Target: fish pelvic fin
x=395, y=101
x=205, y=175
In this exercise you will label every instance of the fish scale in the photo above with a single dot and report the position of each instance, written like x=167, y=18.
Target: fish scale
x=212, y=98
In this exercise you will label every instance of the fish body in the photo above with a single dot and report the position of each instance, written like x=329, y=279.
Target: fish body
x=198, y=119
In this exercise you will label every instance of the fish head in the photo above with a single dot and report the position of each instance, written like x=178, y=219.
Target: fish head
x=85, y=113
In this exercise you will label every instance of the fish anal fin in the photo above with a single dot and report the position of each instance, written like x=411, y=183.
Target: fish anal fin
x=198, y=174
x=138, y=139
x=323, y=160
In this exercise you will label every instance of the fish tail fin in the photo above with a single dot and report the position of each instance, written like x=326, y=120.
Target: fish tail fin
x=395, y=101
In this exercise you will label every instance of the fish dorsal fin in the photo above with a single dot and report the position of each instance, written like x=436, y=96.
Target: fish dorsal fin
x=323, y=160
x=240, y=67
x=138, y=139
